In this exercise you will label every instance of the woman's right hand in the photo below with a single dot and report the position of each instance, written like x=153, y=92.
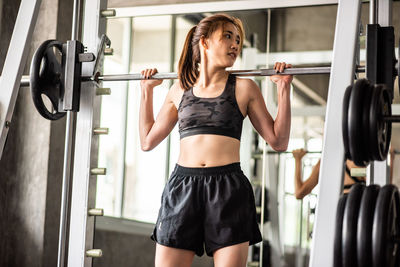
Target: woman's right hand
x=299, y=153
x=147, y=82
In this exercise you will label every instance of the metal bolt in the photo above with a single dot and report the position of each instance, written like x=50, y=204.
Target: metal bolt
x=7, y=124
x=103, y=91
x=99, y=131
x=358, y=172
x=108, y=13
x=94, y=253
x=96, y=212
x=98, y=171
x=108, y=51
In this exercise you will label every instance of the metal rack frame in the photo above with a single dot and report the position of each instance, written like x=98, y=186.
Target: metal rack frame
x=331, y=171
x=81, y=231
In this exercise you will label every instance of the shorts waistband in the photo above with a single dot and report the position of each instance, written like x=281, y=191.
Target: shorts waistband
x=229, y=168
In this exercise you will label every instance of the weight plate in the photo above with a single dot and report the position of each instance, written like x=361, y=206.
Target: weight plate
x=373, y=124
x=386, y=133
x=365, y=122
x=345, y=113
x=380, y=131
x=46, y=79
x=365, y=222
x=386, y=227
x=337, y=259
x=354, y=124
x=349, y=231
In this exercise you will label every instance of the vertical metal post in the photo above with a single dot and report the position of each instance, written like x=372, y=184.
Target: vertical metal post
x=81, y=230
x=373, y=14
x=383, y=16
x=331, y=174
x=127, y=66
x=264, y=147
x=271, y=182
x=15, y=62
x=68, y=158
x=171, y=69
x=385, y=13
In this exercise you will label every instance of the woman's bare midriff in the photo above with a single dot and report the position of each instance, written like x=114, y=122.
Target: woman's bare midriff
x=207, y=150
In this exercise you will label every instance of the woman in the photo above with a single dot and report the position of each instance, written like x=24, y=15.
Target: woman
x=208, y=202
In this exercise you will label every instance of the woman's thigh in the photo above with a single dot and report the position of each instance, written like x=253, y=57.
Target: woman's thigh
x=173, y=257
x=232, y=256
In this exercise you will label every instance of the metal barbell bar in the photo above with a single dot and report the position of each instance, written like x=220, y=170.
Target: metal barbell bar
x=259, y=155
x=173, y=75
x=392, y=118
x=260, y=72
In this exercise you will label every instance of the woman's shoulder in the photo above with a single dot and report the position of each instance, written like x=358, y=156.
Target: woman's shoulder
x=247, y=87
x=246, y=83
x=175, y=93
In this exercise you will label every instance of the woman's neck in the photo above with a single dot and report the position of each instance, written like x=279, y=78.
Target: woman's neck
x=210, y=76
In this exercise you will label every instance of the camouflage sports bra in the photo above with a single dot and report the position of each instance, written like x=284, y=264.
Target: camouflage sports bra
x=217, y=115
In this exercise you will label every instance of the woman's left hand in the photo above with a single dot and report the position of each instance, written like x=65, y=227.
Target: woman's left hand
x=280, y=67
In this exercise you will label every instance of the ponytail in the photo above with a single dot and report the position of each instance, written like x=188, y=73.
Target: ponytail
x=187, y=70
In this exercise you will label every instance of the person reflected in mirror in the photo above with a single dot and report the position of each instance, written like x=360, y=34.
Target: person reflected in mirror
x=304, y=187
x=208, y=203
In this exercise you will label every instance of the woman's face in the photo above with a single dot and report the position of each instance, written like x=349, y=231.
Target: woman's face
x=223, y=46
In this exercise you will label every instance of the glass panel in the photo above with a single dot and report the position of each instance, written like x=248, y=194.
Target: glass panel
x=145, y=172
x=113, y=116
x=291, y=218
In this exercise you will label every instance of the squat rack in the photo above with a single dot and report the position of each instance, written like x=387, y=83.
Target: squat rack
x=80, y=250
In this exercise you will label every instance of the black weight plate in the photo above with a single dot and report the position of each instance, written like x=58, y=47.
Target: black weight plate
x=365, y=223
x=385, y=252
x=386, y=128
x=337, y=253
x=380, y=131
x=365, y=122
x=45, y=78
x=345, y=113
x=373, y=125
x=356, y=147
x=396, y=229
x=349, y=231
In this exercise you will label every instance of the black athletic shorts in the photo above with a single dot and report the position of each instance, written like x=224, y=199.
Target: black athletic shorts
x=207, y=208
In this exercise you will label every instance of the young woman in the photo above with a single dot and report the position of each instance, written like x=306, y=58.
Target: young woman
x=208, y=203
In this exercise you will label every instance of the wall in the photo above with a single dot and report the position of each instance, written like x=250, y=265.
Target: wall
x=31, y=165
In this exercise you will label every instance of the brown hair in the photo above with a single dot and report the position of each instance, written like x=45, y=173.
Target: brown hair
x=190, y=57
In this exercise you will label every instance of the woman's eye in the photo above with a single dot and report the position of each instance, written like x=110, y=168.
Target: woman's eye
x=238, y=42
x=228, y=36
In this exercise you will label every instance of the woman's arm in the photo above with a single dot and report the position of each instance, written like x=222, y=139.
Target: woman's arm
x=301, y=189
x=151, y=131
x=275, y=132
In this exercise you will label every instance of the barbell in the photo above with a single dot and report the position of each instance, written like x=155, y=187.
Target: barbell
x=49, y=76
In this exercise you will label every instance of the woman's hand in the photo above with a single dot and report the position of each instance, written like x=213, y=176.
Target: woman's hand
x=280, y=67
x=298, y=154
x=148, y=82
